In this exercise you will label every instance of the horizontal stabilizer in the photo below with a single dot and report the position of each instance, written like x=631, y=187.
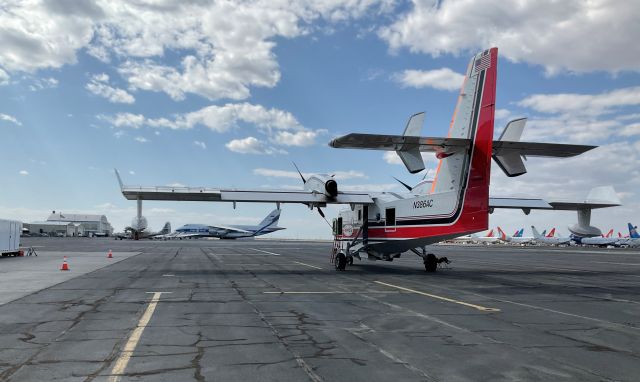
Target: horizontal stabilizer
x=397, y=142
x=508, y=151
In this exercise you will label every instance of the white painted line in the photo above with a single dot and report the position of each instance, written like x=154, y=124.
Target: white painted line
x=609, y=262
x=478, y=307
x=122, y=361
x=267, y=252
x=308, y=265
x=168, y=275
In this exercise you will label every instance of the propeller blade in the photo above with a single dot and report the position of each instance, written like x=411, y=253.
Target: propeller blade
x=403, y=183
x=320, y=212
x=301, y=177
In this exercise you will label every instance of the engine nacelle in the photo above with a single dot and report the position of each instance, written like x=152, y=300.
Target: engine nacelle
x=322, y=184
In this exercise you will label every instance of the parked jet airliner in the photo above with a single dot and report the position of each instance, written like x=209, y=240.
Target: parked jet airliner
x=267, y=225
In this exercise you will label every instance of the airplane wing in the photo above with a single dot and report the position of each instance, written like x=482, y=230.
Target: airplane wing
x=231, y=229
x=205, y=194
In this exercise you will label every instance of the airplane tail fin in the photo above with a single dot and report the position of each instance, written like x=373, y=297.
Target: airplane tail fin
x=552, y=233
x=521, y=232
x=536, y=234
x=503, y=236
x=270, y=220
x=490, y=234
x=166, y=229
x=610, y=233
x=633, y=231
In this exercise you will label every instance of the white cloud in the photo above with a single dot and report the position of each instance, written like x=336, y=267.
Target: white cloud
x=9, y=118
x=582, y=118
x=631, y=130
x=298, y=138
x=24, y=172
x=223, y=48
x=131, y=172
x=583, y=104
x=43, y=83
x=547, y=32
x=4, y=77
x=99, y=85
x=141, y=139
x=391, y=157
x=200, y=144
x=176, y=184
x=441, y=79
x=217, y=118
x=251, y=145
x=338, y=175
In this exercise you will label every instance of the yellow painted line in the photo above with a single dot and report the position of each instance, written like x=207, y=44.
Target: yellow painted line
x=474, y=306
x=134, y=338
x=308, y=265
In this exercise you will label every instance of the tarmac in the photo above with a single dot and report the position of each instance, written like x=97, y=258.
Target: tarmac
x=218, y=310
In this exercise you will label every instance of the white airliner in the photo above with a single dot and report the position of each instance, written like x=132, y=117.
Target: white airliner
x=267, y=225
x=633, y=240
x=601, y=241
x=383, y=225
x=551, y=240
x=488, y=238
x=513, y=239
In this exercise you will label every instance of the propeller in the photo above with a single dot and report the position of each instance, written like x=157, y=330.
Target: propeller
x=300, y=173
x=403, y=183
x=305, y=181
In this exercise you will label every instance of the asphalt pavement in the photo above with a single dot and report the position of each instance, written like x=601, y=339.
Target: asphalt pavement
x=218, y=310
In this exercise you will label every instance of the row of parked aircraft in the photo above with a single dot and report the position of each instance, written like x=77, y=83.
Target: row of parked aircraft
x=630, y=240
x=267, y=225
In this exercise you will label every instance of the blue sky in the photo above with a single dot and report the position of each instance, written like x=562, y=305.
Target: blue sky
x=227, y=93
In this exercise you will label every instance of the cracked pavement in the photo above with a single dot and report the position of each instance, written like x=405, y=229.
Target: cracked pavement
x=237, y=313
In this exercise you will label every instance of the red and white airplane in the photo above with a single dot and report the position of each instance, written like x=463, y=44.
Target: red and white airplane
x=383, y=225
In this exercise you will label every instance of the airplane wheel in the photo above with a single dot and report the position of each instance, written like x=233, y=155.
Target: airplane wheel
x=341, y=262
x=431, y=263
x=350, y=260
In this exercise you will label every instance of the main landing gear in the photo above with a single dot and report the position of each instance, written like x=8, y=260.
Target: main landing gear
x=430, y=260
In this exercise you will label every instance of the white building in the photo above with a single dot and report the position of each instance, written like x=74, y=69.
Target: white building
x=52, y=228
x=88, y=225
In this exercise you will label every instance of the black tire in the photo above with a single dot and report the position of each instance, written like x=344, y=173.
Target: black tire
x=350, y=260
x=341, y=262
x=431, y=263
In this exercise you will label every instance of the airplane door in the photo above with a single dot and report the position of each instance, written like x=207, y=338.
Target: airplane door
x=390, y=220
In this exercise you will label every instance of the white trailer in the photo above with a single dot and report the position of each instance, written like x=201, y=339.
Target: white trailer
x=10, y=231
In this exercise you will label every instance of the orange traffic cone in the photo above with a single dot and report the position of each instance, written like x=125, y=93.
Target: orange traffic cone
x=65, y=266
x=110, y=255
